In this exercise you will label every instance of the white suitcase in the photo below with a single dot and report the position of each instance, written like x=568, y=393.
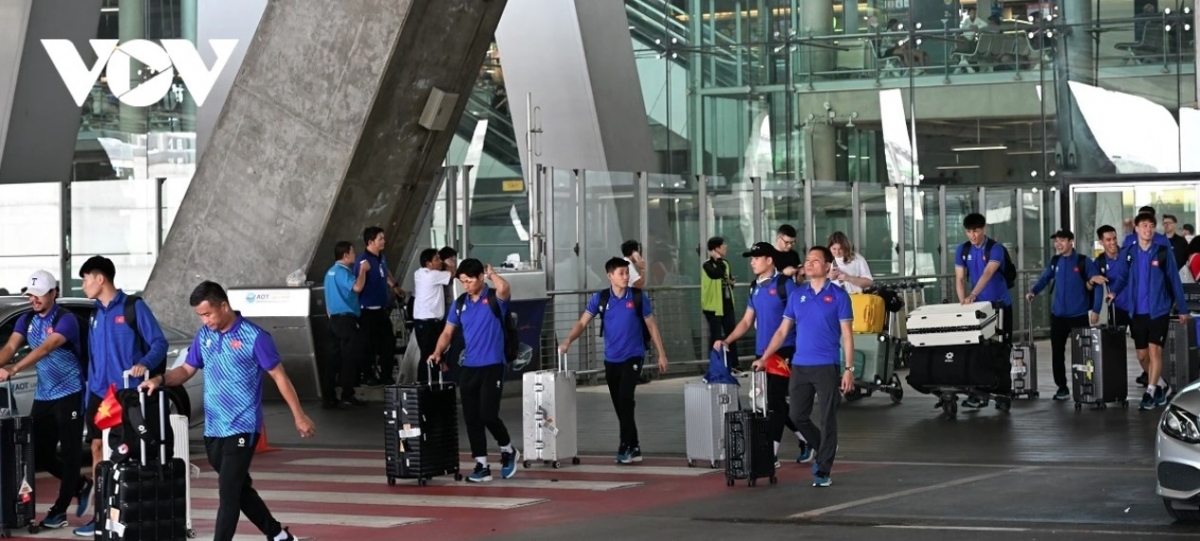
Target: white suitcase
x=705, y=406
x=549, y=407
x=952, y=324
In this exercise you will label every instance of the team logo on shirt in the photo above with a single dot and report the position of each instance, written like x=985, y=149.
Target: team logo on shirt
x=771, y=292
x=120, y=320
x=1076, y=269
x=629, y=304
x=828, y=298
x=803, y=298
x=1154, y=263
x=236, y=344
x=49, y=330
x=485, y=301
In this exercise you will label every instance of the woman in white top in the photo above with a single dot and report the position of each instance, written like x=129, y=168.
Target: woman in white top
x=850, y=270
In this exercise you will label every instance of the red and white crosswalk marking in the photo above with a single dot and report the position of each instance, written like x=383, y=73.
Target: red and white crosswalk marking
x=341, y=494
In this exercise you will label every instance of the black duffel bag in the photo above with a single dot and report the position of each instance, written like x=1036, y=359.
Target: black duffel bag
x=983, y=366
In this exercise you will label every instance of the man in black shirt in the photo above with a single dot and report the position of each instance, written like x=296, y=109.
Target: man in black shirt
x=1179, y=245
x=716, y=296
x=787, y=261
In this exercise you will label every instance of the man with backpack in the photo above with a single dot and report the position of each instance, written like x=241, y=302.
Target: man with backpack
x=1151, y=286
x=985, y=266
x=53, y=334
x=482, y=313
x=124, y=336
x=1067, y=275
x=767, y=302
x=626, y=322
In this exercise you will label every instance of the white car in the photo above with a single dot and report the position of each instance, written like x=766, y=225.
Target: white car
x=1177, y=455
x=187, y=399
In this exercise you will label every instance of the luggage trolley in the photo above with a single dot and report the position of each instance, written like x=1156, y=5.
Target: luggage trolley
x=943, y=334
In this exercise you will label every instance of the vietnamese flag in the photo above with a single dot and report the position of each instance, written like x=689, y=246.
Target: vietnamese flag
x=108, y=415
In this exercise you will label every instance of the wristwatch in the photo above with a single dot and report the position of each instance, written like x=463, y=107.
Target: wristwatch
x=850, y=369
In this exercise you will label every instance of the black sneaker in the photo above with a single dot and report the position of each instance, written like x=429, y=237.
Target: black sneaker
x=1142, y=379
x=635, y=453
x=84, y=495
x=623, y=454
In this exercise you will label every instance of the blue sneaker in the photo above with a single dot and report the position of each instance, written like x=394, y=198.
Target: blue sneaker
x=84, y=496
x=480, y=475
x=87, y=530
x=1161, y=395
x=1147, y=402
x=508, y=463
x=1062, y=394
x=54, y=522
x=806, y=455
x=623, y=456
x=635, y=454
x=822, y=479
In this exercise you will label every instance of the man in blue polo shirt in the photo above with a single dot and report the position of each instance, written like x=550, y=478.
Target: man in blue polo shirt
x=234, y=354
x=53, y=334
x=1068, y=273
x=764, y=312
x=978, y=266
x=341, y=300
x=1109, y=266
x=622, y=318
x=481, y=382
x=114, y=345
x=376, y=300
x=1151, y=283
x=821, y=313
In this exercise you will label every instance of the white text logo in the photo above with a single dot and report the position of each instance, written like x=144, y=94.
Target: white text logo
x=163, y=61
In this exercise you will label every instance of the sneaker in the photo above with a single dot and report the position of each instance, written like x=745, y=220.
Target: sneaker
x=1142, y=380
x=508, y=463
x=289, y=537
x=1062, y=394
x=635, y=453
x=806, y=455
x=54, y=521
x=1161, y=395
x=623, y=454
x=480, y=475
x=354, y=401
x=974, y=402
x=87, y=530
x=822, y=479
x=777, y=464
x=1147, y=402
x=84, y=496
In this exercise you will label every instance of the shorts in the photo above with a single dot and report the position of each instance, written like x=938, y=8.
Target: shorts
x=1146, y=331
x=93, y=431
x=1121, y=316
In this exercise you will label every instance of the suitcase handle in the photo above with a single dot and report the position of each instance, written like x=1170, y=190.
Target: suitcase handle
x=128, y=374
x=562, y=362
x=757, y=377
x=162, y=426
x=429, y=371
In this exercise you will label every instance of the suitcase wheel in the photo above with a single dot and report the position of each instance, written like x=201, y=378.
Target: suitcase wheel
x=712, y=464
x=458, y=477
x=1034, y=395
x=391, y=481
x=1003, y=404
x=575, y=461
x=34, y=528
x=1125, y=404
x=525, y=464
x=556, y=464
x=191, y=534
x=728, y=483
x=774, y=480
x=1078, y=406
x=752, y=482
x=950, y=408
x=422, y=482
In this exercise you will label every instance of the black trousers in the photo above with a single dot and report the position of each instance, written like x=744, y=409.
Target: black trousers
x=59, y=422
x=719, y=327
x=230, y=458
x=481, y=389
x=428, y=331
x=777, y=400
x=819, y=385
x=341, y=368
x=1060, y=332
x=622, y=381
x=380, y=343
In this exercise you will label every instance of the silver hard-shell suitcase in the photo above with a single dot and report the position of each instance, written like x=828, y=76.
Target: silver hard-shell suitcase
x=704, y=407
x=549, y=413
x=952, y=324
x=1024, y=361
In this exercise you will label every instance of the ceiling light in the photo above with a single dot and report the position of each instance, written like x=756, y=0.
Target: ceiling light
x=949, y=167
x=969, y=148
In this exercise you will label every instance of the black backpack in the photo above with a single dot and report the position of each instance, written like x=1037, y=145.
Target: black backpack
x=1007, y=269
x=512, y=339
x=781, y=281
x=139, y=343
x=606, y=295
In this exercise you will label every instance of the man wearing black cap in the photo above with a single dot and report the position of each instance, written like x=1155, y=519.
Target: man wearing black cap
x=1067, y=275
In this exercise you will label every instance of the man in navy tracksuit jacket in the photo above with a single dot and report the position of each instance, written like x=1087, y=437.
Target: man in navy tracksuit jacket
x=1151, y=285
x=1109, y=266
x=1070, y=272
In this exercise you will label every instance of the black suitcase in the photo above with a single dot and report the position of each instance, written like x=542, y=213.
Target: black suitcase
x=420, y=432
x=984, y=366
x=1181, y=359
x=1098, y=371
x=140, y=500
x=18, y=496
x=749, y=448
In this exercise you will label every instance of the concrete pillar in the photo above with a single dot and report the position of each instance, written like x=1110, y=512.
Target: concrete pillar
x=131, y=25
x=223, y=19
x=319, y=139
x=816, y=19
x=1076, y=62
x=850, y=16
x=14, y=19
x=189, y=26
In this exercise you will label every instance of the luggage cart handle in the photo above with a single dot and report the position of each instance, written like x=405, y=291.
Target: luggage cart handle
x=562, y=362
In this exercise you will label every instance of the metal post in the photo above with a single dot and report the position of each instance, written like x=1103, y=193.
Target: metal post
x=450, y=181
x=158, y=215
x=1019, y=214
x=643, y=198
x=857, y=226
x=546, y=180
x=537, y=231
x=757, y=205
x=466, y=201
x=702, y=253
x=982, y=200
x=810, y=233
x=943, y=246
x=64, y=216
x=901, y=236
x=581, y=225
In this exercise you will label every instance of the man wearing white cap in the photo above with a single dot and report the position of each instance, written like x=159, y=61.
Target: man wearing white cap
x=53, y=333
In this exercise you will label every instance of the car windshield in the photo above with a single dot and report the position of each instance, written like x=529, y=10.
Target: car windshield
x=175, y=335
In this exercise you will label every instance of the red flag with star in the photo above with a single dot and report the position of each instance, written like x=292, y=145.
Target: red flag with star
x=108, y=415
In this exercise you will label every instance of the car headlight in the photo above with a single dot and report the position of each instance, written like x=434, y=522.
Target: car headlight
x=1180, y=424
